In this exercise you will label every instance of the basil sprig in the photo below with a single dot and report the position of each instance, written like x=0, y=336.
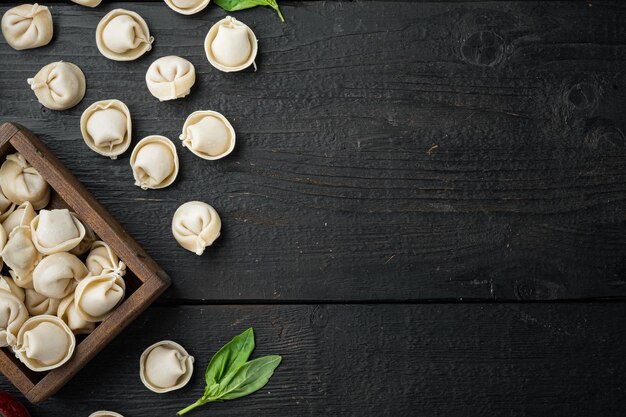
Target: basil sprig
x=230, y=375
x=234, y=5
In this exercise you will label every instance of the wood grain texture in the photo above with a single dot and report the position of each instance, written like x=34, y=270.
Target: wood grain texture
x=385, y=150
x=377, y=360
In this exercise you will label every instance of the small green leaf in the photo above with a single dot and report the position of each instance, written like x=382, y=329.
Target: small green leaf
x=230, y=357
x=234, y=5
x=249, y=378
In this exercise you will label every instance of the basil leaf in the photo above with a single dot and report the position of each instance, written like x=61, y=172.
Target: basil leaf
x=234, y=5
x=249, y=378
x=230, y=357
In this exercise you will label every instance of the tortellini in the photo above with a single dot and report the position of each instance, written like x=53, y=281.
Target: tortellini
x=230, y=45
x=123, y=35
x=3, y=241
x=21, y=255
x=195, y=226
x=154, y=162
x=170, y=77
x=208, y=134
x=165, y=366
x=88, y=3
x=67, y=313
x=106, y=127
x=85, y=244
x=102, y=260
x=22, y=216
x=55, y=231
x=104, y=413
x=59, y=85
x=9, y=285
x=38, y=304
x=187, y=6
x=13, y=314
x=27, y=26
x=96, y=297
x=21, y=182
x=56, y=275
x=44, y=343
x=6, y=206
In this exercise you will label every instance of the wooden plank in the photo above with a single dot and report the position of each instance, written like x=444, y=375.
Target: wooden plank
x=386, y=150
x=374, y=360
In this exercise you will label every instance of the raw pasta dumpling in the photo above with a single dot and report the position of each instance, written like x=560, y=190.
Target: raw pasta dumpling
x=21, y=255
x=55, y=231
x=170, y=77
x=21, y=182
x=230, y=45
x=59, y=85
x=106, y=127
x=154, y=162
x=195, y=226
x=123, y=35
x=208, y=134
x=24, y=214
x=6, y=206
x=38, y=304
x=27, y=26
x=56, y=275
x=104, y=413
x=67, y=313
x=187, y=6
x=102, y=260
x=13, y=314
x=88, y=3
x=96, y=297
x=44, y=343
x=9, y=285
x=3, y=241
x=165, y=366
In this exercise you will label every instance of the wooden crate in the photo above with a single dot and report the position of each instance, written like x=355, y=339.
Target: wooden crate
x=145, y=280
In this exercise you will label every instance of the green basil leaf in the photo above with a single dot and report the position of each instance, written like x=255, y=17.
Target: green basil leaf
x=234, y=5
x=249, y=378
x=230, y=357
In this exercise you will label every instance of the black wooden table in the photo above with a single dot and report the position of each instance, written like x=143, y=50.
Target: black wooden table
x=424, y=212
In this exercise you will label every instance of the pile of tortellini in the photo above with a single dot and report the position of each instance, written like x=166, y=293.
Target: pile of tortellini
x=106, y=125
x=60, y=279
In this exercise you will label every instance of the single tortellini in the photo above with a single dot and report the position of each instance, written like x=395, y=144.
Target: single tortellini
x=107, y=128
x=165, y=366
x=38, y=304
x=3, y=241
x=56, y=275
x=231, y=45
x=195, y=226
x=67, y=313
x=21, y=182
x=154, y=162
x=21, y=255
x=85, y=244
x=208, y=134
x=13, y=314
x=55, y=231
x=104, y=413
x=22, y=216
x=170, y=77
x=187, y=6
x=44, y=343
x=88, y=3
x=96, y=297
x=102, y=260
x=123, y=35
x=27, y=26
x=59, y=85
x=7, y=284
x=6, y=206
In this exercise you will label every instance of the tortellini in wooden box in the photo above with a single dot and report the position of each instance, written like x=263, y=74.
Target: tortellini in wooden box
x=61, y=279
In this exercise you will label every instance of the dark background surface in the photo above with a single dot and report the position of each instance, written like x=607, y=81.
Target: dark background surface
x=409, y=178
